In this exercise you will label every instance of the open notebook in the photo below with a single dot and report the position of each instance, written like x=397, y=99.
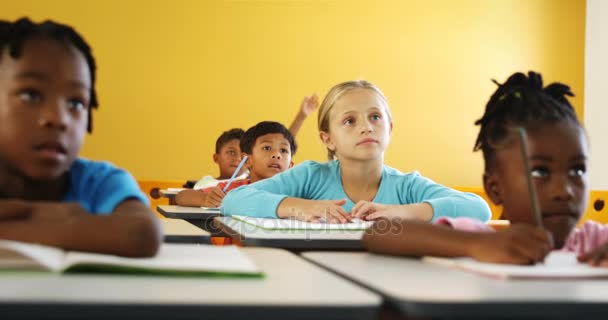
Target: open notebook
x=172, y=259
x=293, y=224
x=557, y=265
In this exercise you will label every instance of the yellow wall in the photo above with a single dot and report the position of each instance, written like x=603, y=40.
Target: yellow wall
x=174, y=74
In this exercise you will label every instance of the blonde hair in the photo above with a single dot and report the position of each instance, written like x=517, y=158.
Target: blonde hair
x=335, y=93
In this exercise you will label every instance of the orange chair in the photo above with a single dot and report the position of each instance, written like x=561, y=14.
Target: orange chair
x=596, y=210
x=152, y=190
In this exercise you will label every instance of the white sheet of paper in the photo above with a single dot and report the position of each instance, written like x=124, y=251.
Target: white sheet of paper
x=557, y=264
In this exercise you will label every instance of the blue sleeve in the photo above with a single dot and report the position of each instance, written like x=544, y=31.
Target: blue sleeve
x=447, y=202
x=115, y=188
x=100, y=187
x=262, y=199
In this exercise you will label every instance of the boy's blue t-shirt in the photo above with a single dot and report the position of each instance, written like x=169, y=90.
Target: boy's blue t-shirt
x=100, y=187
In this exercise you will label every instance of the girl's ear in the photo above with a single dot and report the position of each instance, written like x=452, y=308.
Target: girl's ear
x=326, y=139
x=492, y=187
x=391, y=127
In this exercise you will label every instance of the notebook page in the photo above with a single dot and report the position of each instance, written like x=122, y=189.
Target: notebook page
x=557, y=265
x=21, y=255
x=175, y=258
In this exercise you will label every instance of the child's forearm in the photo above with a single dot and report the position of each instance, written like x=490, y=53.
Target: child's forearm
x=135, y=233
x=191, y=198
x=290, y=207
x=416, y=239
x=420, y=211
x=297, y=122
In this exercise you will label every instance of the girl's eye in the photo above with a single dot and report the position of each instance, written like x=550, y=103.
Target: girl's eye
x=30, y=96
x=76, y=104
x=540, y=172
x=577, y=171
x=348, y=121
x=376, y=117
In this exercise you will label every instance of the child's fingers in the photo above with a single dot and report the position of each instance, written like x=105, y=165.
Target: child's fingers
x=217, y=191
x=340, y=202
x=358, y=210
x=535, y=250
x=603, y=263
x=376, y=215
x=339, y=215
x=362, y=208
x=214, y=200
x=584, y=257
x=541, y=234
x=598, y=257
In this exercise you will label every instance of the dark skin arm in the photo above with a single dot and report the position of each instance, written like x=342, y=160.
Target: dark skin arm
x=519, y=244
x=131, y=230
x=190, y=198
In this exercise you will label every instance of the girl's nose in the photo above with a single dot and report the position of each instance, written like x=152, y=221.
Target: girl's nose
x=53, y=115
x=562, y=188
x=366, y=126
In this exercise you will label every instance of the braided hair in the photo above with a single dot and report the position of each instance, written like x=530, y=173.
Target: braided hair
x=13, y=36
x=523, y=102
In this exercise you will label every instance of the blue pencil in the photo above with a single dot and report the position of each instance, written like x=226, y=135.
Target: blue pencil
x=235, y=173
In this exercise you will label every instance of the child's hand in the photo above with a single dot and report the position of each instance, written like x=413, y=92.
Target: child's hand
x=367, y=210
x=309, y=104
x=214, y=198
x=316, y=210
x=597, y=257
x=518, y=244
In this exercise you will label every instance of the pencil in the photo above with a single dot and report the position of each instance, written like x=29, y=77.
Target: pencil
x=523, y=142
x=235, y=173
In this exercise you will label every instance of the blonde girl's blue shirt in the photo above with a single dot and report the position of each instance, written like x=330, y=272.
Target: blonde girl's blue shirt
x=321, y=181
x=100, y=187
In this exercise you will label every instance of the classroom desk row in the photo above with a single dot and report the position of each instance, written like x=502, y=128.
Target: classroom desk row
x=292, y=288
x=312, y=285
x=414, y=288
x=316, y=285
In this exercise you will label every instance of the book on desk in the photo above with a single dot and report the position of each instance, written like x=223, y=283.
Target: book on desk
x=172, y=259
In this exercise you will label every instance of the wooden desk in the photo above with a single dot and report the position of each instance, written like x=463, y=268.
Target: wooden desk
x=181, y=231
x=424, y=290
x=292, y=289
x=249, y=235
